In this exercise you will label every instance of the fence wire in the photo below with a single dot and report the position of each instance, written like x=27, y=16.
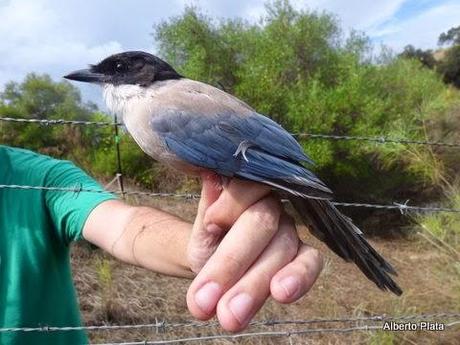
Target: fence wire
x=402, y=207
x=341, y=325
x=378, y=140
x=271, y=334
x=162, y=326
x=48, y=122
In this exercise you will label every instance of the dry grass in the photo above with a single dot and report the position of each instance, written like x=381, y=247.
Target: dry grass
x=115, y=293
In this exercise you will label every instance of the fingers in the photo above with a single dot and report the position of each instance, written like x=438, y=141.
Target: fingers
x=238, y=250
x=236, y=197
x=242, y=301
x=296, y=278
x=217, y=211
x=259, y=256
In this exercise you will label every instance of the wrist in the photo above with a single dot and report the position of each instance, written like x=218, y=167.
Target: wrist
x=158, y=241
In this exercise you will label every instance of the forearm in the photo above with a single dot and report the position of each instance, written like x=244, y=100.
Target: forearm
x=155, y=240
x=142, y=236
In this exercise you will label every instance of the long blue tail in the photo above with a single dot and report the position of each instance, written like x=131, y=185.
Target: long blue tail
x=329, y=225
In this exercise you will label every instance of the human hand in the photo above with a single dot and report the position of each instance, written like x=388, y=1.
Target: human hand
x=244, y=248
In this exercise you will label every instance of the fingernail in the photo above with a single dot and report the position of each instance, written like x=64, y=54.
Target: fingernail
x=206, y=297
x=291, y=285
x=241, y=307
x=214, y=229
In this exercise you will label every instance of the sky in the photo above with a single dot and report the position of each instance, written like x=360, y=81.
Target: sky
x=55, y=36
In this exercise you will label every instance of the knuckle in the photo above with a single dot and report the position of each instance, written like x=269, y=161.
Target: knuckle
x=200, y=248
x=230, y=265
x=268, y=204
x=316, y=257
x=215, y=215
x=224, y=212
x=195, y=264
x=303, y=270
x=265, y=222
x=264, y=276
x=265, y=214
x=197, y=259
x=291, y=245
x=288, y=237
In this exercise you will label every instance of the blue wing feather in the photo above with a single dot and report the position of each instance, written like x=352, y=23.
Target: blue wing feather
x=273, y=156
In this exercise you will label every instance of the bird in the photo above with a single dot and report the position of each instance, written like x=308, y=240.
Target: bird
x=196, y=127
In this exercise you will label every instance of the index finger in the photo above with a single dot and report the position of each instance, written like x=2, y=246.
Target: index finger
x=202, y=243
x=237, y=197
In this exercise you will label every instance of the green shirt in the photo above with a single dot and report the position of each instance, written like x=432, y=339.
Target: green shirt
x=36, y=229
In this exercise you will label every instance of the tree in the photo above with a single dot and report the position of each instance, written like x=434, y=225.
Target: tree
x=452, y=36
x=91, y=147
x=297, y=67
x=39, y=97
x=424, y=56
x=449, y=66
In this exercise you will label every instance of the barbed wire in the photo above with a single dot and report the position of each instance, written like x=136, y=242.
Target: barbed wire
x=78, y=189
x=163, y=325
x=397, y=206
x=272, y=334
x=59, y=122
x=402, y=207
x=378, y=140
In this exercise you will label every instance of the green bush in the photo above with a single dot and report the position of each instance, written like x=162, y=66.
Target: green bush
x=296, y=67
x=299, y=68
x=91, y=147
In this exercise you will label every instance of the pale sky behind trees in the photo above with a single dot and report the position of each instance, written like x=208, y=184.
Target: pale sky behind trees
x=55, y=37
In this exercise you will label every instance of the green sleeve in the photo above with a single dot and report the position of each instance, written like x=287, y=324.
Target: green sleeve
x=69, y=210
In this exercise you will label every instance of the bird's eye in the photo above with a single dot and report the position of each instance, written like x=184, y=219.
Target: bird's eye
x=120, y=67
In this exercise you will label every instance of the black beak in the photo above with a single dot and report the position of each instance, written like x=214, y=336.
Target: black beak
x=87, y=76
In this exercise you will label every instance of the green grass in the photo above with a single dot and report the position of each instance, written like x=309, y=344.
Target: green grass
x=382, y=338
x=444, y=226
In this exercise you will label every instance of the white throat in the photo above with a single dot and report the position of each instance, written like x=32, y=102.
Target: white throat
x=120, y=99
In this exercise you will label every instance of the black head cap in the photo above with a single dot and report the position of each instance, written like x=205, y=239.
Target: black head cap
x=132, y=67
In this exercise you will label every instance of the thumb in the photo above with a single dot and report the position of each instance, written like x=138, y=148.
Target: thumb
x=203, y=242
x=210, y=192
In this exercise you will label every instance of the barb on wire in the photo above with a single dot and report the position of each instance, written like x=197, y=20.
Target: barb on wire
x=402, y=206
x=79, y=189
x=378, y=140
